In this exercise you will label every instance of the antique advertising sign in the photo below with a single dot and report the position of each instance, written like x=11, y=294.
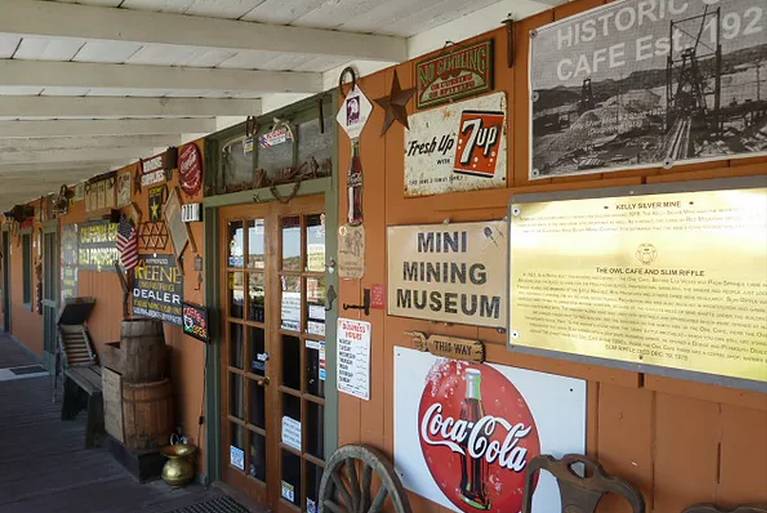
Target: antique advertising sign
x=449, y=272
x=353, y=367
x=351, y=252
x=159, y=289
x=354, y=113
x=124, y=189
x=156, y=199
x=458, y=147
x=675, y=280
x=645, y=83
x=464, y=433
x=459, y=73
x=195, y=319
x=190, y=169
x=97, y=246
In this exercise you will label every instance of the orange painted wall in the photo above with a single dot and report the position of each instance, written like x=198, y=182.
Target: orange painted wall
x=27, y=324
x=187, y=354
x=681, y=442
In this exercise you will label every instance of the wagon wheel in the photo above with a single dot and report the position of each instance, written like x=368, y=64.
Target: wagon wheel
x=360, y=479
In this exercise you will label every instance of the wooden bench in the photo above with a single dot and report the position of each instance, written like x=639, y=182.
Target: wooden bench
x=82, y=374
x=82, y=390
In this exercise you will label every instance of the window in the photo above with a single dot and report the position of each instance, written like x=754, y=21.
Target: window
x=26, y=255
x=306, y=152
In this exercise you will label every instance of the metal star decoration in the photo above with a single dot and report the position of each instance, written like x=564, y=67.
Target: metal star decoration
x=395, y=104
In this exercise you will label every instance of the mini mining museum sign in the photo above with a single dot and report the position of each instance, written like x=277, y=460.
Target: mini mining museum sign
x=449, y=272
x=648, y=83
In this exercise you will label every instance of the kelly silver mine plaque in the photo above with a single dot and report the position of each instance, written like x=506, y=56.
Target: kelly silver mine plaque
x=677, y=280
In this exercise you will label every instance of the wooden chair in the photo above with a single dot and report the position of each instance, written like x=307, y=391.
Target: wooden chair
x=710, y=508
x=579, y=494
x=82, y=373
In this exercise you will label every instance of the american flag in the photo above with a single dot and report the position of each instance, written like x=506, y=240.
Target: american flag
x=127, y=243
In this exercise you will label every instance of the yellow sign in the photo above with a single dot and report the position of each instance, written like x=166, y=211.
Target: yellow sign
x=676, y=280
x=449, y=272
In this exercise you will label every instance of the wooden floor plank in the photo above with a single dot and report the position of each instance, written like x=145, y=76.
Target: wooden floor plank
x=44, y=468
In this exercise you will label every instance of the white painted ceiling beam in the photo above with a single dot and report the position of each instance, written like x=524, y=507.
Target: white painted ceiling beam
x=121, y=127
x=64, y=156
x=10, y=146
x=138, y=76
x=55, y=19
x=108, y=106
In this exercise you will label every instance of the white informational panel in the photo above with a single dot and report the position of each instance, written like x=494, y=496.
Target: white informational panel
x=487, y=421
x=353, y=365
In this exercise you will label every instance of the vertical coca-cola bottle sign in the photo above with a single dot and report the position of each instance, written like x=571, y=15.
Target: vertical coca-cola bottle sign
x=477, y=435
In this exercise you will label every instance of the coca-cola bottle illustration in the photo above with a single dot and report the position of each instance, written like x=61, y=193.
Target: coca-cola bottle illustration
x=354, y=186
x=473, y=470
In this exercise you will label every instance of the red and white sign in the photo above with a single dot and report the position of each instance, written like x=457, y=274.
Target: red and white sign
x=466, y=432
x=458, y=147
x=478, y=142
x=190, y=169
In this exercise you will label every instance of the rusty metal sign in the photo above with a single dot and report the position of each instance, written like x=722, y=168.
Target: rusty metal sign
x=461, y=72
x=458, y=147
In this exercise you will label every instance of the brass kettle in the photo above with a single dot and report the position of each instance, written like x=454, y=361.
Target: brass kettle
x=179, y=469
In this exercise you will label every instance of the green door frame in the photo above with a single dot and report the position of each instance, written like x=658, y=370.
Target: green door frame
x=50, y=336
x=328, y=187
x=5, y=248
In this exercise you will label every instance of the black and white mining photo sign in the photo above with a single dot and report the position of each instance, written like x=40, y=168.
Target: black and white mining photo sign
x=649, y=83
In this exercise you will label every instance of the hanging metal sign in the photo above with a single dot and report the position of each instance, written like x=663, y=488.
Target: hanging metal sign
x=354, y=113
x=158, y=292
x=191, y=212
x=124, y=189
x=458, y=147
x=456, y=74
x=353, y=116
x=351, y=252
x=639, y=83
x=190, y=169
x=280, y=134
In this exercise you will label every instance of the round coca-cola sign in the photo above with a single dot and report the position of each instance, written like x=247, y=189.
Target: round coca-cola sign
x=477, y=435
x=190, y=169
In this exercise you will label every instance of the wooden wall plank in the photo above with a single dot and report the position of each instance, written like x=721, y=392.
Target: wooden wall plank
x=686, y=452
x=743, y=460
x=625, y=436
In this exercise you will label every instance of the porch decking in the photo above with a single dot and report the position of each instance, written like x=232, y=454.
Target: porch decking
x=44, y=467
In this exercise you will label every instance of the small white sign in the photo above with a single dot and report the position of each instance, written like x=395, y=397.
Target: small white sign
x=311, y=506
x=291, y=310
x=191, y=212
x=353, y=368
x=237, y=457
x=354, y=113
x=291, y=432
x=288, y=491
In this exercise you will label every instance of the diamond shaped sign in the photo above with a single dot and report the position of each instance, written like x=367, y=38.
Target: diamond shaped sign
x=354, y=113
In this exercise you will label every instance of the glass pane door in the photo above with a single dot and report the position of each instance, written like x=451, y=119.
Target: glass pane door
x=245, y=360
x=273, y=362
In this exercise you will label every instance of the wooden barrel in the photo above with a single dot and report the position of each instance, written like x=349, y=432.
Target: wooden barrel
x=147, y=414
x=145, y=354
